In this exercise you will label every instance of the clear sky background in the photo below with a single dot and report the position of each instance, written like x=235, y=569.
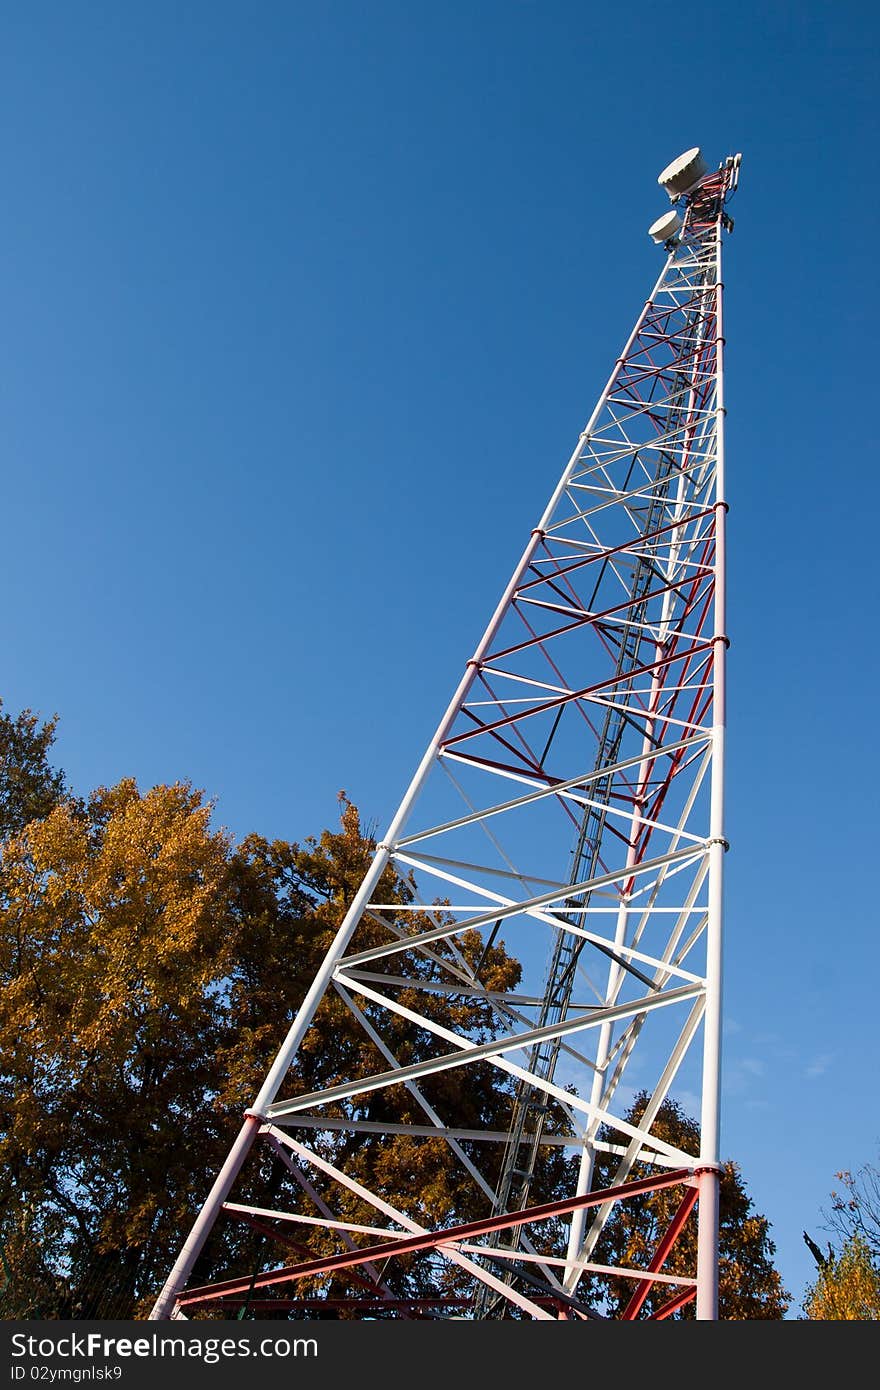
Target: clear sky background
x=303, y=308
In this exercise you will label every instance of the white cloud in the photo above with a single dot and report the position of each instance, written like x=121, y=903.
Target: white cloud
x=753, y=1065
x=819, y=1066
x=741, y=1073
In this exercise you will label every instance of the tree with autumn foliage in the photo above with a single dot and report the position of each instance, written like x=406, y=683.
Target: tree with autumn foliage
x=749, y=1287
x=29, y=786
x=149, y=971
x=855, y=1208
x=113, y=942
x=847, y=1288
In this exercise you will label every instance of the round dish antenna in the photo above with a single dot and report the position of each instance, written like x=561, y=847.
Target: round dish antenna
x=665, y=227
x=683, y=173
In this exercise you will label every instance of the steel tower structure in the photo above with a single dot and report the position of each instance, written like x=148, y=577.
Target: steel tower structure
x=571, y=805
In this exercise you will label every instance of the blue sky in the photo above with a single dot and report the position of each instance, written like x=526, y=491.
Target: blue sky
x=304, y=308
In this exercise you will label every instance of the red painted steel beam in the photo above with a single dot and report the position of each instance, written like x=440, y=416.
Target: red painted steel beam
x=429, y=1240
x=673, y=1305
x=577, y=694
x=637, y=1302
x=608, y=551
x=361, y=1305
x=283, y=1238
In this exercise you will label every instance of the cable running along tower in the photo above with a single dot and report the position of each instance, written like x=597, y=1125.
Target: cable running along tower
x=569, y=806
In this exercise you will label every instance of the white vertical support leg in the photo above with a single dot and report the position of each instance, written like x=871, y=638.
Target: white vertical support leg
x=164, y=1305
x=709, y=1173
x=709, y=1170
x=707, y=1245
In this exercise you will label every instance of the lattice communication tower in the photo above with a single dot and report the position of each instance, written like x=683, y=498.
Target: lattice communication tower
x=570, y=805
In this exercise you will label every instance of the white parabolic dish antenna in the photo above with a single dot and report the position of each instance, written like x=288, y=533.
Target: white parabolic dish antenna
x=683, y=173
x=665, y=226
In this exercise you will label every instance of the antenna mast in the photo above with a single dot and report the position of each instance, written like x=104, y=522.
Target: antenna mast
x=587, y=726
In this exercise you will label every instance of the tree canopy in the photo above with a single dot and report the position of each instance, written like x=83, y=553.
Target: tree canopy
x=847, y=1288
x=112, y=947
x=855, y=1208
x=29, y=786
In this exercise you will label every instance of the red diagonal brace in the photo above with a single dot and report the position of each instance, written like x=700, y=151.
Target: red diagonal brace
x=673, y=1305
x=634, y=1307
